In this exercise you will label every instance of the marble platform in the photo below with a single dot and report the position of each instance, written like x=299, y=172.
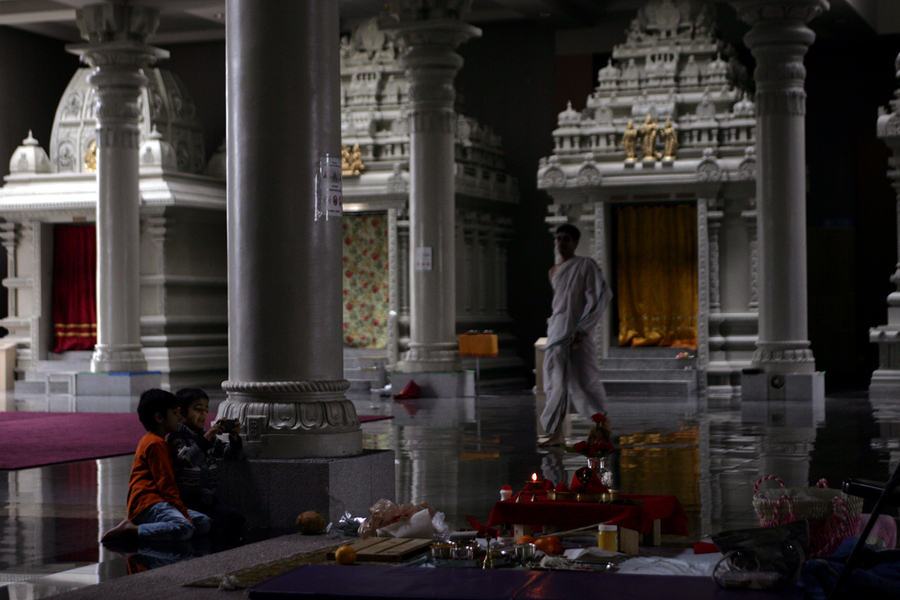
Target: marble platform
x=272, y=492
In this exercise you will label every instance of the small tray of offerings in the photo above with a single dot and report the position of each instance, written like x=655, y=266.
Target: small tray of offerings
x=586, y=497
x=561, y=496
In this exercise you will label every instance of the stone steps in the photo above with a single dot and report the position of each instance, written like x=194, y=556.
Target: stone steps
x=365, y=369
x=649, y=372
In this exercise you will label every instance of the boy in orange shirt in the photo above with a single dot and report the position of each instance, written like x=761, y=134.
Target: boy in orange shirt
x=155, y=510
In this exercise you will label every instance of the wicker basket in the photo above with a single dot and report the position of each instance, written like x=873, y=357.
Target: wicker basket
x=831, y=513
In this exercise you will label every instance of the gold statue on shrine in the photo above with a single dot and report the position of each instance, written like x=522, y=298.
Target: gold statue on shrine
x=351, y=160
x=670, y=138
x=629, y=142
x=649, y=131
x=90, y=157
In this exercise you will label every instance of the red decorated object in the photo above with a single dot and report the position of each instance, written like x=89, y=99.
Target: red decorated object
x=570, y=515
x=74, y=287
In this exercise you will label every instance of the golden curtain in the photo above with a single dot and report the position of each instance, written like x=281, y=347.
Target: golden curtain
x=657, y=275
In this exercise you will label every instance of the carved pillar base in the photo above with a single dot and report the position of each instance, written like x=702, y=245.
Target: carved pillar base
x=274, y=413
x=423, y=358
x=792, y=356
x=125, y=358
x=885, y=381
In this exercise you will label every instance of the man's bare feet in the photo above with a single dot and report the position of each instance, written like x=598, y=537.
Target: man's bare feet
x=557, y=439
x=126, y=531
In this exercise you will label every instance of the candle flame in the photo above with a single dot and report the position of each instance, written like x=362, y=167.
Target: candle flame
x=534, y=477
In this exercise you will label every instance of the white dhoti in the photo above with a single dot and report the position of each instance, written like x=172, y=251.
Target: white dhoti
x=571, y=374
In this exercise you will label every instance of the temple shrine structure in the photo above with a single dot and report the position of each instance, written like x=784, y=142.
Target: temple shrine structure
x=49, y=207
x=659, y=172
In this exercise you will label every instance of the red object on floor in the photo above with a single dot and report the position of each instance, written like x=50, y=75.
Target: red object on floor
x=705, y=548
x=570, y=515
x=410, y=392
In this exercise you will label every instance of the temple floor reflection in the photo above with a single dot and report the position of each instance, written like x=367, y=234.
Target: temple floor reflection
x=456, y=453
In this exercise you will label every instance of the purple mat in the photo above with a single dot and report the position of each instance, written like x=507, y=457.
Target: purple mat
x=370, y=418
x=34, y=439
x=333, y=582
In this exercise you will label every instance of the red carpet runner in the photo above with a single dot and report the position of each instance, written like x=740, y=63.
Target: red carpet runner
x=35, y=439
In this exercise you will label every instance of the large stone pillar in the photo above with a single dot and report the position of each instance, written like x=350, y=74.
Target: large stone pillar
x=886, y=378
x=284, y=243
x=779, y=39
x=117, y=50
x=431, y=31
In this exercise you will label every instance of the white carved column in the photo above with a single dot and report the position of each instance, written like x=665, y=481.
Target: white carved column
x=779, y=39
x=704, y=281
x=117, y=51
x=714, y=218
x=10, y=234
x=285, y=366
x=393, y=341
x=886, y=378
x=431, y=31
x=752, y=222
x=607, y=334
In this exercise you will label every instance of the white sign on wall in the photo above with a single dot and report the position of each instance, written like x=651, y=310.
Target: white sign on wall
x=329, y=200
x=423, y=259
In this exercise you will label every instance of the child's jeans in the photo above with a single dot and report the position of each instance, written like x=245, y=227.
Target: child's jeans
x=162, y=522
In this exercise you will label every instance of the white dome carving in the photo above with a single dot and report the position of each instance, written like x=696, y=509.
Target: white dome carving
x=165, y=104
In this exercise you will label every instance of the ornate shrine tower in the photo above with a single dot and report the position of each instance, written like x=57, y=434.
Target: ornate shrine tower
x=886, y=378
x=659, y=173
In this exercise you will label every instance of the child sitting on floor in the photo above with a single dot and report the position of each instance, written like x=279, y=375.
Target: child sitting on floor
x=155, y=510
x=196, y=453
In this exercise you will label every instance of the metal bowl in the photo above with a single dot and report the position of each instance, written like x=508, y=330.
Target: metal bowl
x=442, y=551
x=525, y=551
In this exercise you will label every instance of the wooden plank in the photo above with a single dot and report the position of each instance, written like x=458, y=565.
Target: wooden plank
x=387, y=549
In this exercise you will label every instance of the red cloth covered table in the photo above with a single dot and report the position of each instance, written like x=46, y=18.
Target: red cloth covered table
x=570, y=515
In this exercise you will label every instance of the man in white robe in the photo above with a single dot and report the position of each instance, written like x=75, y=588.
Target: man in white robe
x=571, y=374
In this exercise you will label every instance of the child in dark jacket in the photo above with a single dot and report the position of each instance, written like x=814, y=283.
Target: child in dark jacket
x=196, y=453
x=155, y=510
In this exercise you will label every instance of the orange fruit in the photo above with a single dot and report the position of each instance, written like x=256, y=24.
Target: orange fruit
x=557, y=545
x=345, y=555
x=545, y=545
x=525, y=539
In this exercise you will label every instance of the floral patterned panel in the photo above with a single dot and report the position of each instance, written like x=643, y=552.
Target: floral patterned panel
x=365, y=281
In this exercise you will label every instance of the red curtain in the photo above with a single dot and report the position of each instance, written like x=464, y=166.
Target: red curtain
x=74, y=287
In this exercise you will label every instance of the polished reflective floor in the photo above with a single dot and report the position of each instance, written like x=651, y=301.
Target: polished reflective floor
x=456, y=453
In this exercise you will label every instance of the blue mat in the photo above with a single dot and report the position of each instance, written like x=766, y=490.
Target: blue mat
x=336, y=582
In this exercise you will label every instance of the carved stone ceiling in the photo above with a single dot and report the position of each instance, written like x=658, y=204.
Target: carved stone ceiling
x=202, y=20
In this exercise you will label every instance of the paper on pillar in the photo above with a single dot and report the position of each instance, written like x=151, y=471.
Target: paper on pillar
x=330, y=197
x=423, y=259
